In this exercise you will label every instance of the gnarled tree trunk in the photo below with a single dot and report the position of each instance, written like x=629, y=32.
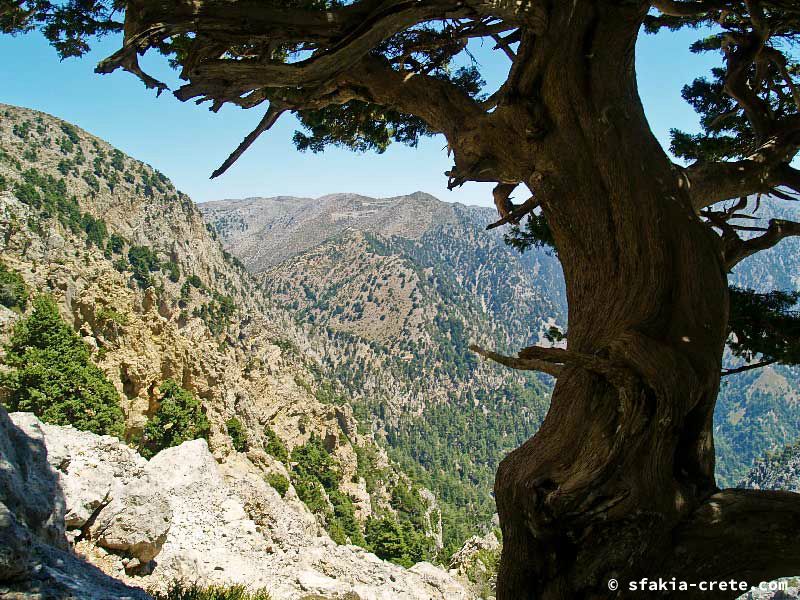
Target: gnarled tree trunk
x=619, y=481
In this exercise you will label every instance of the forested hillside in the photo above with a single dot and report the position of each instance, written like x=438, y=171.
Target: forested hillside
x=401, y=285
x=399, y=288
x=758, y=411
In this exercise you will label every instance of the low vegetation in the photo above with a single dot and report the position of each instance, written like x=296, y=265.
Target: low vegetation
x=52, y=376
x=192, y=591
x=274, y=446
x=482, y=571
x=278, y=482
x=48, y=195
x=216, y=313
x=179, y=418
x=237, y=434
x=13, y=291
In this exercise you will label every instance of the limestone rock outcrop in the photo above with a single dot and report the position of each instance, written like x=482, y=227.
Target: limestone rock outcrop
x=35, y=560
x=183, y=515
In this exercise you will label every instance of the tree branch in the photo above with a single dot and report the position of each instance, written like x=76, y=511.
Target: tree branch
x=270, y=118
x=750, y=367
x=748, y=535
x=518, y=363
x=553, y=360
x=515, y=215
x=762, y=172
x=675, y=8
x=778, y=229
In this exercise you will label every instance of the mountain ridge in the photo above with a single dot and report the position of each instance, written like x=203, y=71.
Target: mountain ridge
x=154, y=298
x=755, y=411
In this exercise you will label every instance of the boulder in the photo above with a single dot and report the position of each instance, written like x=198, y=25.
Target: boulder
x=465, y=558
x=91, y=471
x=29, y=488
x=15, y=546
x=135, y=523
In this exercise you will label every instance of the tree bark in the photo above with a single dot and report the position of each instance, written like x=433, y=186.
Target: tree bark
x=619, y=470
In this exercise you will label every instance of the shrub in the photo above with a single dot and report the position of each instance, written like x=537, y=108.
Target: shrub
x=52, y=377
x=115, y=244
x=344, y=517
x=310, y=492
x=385, y=539
x=109, y=314
x=483, y=569
x=316, y=470
x=13, y=291
x=312, y=461
x=237, y=434
x=217, y=313
x=71, y=132
x=118, y=160
x=191, y=591
x=120, y=264
x=279, y=483
x=143, y=261
x=91, y=181
x=274, y=445
x=96, y=229
x=179, y=418
x=173, y=270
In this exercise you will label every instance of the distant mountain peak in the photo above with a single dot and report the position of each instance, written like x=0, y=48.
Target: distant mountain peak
x=266, y=231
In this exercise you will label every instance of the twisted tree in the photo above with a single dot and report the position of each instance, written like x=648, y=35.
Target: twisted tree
x=619, y=481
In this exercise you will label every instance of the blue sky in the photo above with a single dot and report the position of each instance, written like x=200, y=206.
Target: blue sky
x=187, y=142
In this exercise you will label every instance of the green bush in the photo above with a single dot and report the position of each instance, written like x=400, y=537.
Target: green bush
x=217, y=313
x=345, y=519
x=13, y=291
x=399, y=542
x=312, y=461
x=71, y=132
x=279, y=483
x=310, y=492
x=191, y=591
x=51, y=375
x=96, y=229
x=483, y=569
x=109, y=314
x=118, y=160
x=315, y=470
x=115, y=245
x=143, y=261
x=179, y=418
x=173, y=270
x=237, y=434
x=385, y=539
x=274, y=446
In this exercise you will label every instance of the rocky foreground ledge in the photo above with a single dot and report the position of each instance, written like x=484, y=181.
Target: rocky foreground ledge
x=85, y=516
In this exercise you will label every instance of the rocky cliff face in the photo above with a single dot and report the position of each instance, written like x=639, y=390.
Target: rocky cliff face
x=155, y=297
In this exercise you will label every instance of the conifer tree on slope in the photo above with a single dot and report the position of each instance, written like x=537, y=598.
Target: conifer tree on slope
x=619, y=481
